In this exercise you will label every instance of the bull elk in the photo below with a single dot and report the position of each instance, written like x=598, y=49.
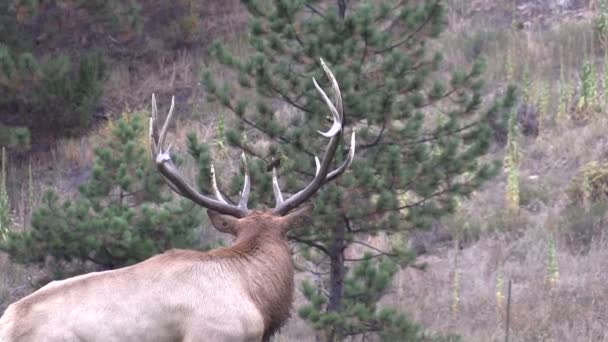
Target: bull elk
x=239, y=293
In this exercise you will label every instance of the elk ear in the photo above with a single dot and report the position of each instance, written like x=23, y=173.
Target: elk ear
x=223, y=223
x=297, y=218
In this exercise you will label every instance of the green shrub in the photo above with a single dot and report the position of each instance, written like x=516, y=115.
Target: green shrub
x=50, y=88
x=600, y=27
x=581, y=226
x=5, y=217
x=506, y=221
x=483, y=42
x=585, y=217
x=532, y=192
x=122, y=215
x=590, y=185
x=588, y=94
x=14, y=137
x=115, y=16
x=44, y=76
x=463, y=228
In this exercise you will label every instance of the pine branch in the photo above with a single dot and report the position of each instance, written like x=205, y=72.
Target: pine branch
x=316, y=11
x=373, y=248
x=310, y=243
x=431, y=137
x=295, y=32
x=260, y=129
x=409, y=36
x=378, y=138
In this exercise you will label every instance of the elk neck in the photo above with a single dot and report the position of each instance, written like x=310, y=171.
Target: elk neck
x=262, y=256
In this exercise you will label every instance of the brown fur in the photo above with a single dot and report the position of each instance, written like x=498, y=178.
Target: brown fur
x=259, y=259
x=263, y=249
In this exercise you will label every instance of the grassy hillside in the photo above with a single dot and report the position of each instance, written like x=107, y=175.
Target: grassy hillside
x=552, y=247
x=552, y=244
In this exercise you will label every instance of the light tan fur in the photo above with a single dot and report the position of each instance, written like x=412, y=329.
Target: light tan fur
x=240, y=293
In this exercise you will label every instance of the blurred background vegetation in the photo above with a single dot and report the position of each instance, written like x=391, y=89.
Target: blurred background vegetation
x=77, y=191
x=55, y=55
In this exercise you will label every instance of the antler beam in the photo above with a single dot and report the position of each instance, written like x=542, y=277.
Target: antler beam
x=176, y=182
x=322, y=175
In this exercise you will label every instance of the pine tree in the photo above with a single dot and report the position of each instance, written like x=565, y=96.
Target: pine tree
x=420, y=132
x=121, y=215
x=60, y=86
x=360, y=313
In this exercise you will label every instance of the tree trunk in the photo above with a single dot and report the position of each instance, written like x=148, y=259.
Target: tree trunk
x=342, y=8
x=337, y=270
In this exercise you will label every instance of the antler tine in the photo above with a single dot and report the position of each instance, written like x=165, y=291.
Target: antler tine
x=337, y=126
x=336, y=89
x=349, y=160
x=275, y=187
x=216, y=190
x=154, y=147
x=163, y=131
x=321, y=176
x=174, y=179
x=246, y=183
x=153, y=118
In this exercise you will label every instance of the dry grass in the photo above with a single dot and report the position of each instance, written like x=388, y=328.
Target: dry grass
x=575, y=309
x=514, y=37
x=76, y=152
x=131, y=87
x=15, y=281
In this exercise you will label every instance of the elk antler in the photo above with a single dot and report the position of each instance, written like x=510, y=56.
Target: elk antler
x=175, y=180
x=322, y=174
